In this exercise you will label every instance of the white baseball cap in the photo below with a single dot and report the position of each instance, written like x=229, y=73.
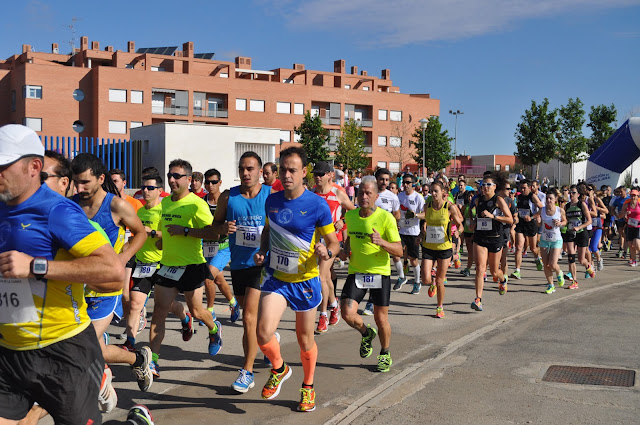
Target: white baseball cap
x=18, y=141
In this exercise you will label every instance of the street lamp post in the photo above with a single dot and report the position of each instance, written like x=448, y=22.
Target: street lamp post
x=455, y=137
x=423, y=123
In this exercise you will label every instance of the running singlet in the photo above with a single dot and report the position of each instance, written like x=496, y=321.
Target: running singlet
x=575, y=216
x=223, y=242
x=368, y=257
x=550, y=232
x=334, y=205
x=190, y=211
x=292, y=235
x=525, y=208
x=250, y=216
x=149, y=253
x=438, y=235
x=633, y=219
x=388, y=201
x=415, y=203
x=50, y=226
x=468, y=213
x=488, y=227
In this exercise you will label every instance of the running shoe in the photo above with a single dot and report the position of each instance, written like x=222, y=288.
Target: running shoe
x=608, y=245
x=568, y=276
x=574, y=285
x=564, y=253
x=143, y=373
x=587, y=275
x=465, y=272
x=539, y=264
x=368, y=310
x=416, y=288
x=525, y=254
x=215, y=340
x=457, y=263
x=213, y=316
x=476, y=304
x=484, y=277
x=624, y=255
x=187, y=328
x=516, y=274
x=155, y=369
x=384, y=362
x=235, y=312
x=432, y=290
x=244, y=382
x=401, y=281
x=322, y=324
x=550, y=289
x=619, y=254
x=334, y=316
x=266, y=359
x=560, y=279
x=107, y=398
x=600, y=264
x=365, y=344
x=592, y=273
x=633, y=263
x=503, y=286
x=143, y=320
x=274, y=383
x=439, y=312
x=140, y=415
x=307, y=400
x=127, y=346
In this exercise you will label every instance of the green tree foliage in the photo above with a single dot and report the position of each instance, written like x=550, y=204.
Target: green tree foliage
x=535, y=141
x=350, y=151
x=600, y=119
x=313, y=138
x=437, y=145
x=571, y=142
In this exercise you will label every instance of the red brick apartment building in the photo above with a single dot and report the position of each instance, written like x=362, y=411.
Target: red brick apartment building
x=105, y=93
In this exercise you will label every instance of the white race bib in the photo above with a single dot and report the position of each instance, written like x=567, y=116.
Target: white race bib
x=16, y=301
x=127, y=235
x=144, y=270
x=172, y=272
x=523, y=212
x=460, y=201
x=633, y=222
x=284, y=261
x=435, y=235
x=248, y=236
x=210, y=249
x=548, y=235
x=574, y=223
x=485, y=224
x=368, y=281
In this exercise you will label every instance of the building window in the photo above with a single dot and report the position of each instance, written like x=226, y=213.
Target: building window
x=118, y=127
x=241, y=104
x=129, y=66
x=298, y=108
x=117, y=95
x=395, y=115
x=256, y=105
x=395, y=141
x=382, y=164
x=296, y=137
x=34, y=124
x=136, y=96
x=285, y=136
x=136, y=124
x=13, y=100
x=347, y=86
x=498, y=167
x=158, y=68
x=382, y=114
x=382, y=140
x=288, y=81
x=224, y=75
x=266, y=152
x=394, y=167
x=507, y=168
x=365, y=88
x=33, y=92
x=283, y=108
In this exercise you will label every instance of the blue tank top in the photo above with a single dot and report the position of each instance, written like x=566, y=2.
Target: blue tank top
x=249, y=215
x=104, y=218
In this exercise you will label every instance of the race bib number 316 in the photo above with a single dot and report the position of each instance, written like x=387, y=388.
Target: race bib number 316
x=16, y=302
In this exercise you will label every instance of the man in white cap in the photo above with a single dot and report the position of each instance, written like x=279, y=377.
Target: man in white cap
x=47, y=245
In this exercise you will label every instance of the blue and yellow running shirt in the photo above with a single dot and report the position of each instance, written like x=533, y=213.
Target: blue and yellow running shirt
x=292, y=234
x=50, y=226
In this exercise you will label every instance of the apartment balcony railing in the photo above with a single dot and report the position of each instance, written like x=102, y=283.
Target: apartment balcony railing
x=170, y=110
x=330, y=121
x=368, y=149
x=211, y=113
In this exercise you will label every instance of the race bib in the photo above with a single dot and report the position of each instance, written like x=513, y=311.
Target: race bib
x=144, y=270
x=435, y=235
x=127, y=235
x=16, y=301
x=596, y=222
x=460, y=202
x=248, y=236
x=548, y=235
x=368, y=281
x=284, y=261
x=485, y=224
x=633, y=222
x=467, y=223
x=172, y=272
x=574, y=223
x=523, y=212
x=210, y=249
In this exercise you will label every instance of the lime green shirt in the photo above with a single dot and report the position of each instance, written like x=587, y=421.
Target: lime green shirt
x=150, y=217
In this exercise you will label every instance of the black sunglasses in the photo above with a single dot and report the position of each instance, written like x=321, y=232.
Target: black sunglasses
x=176, y=176
x=407, y=182
x=149, y=188
x=211, y=181
x=44, y=175
x=319, y=174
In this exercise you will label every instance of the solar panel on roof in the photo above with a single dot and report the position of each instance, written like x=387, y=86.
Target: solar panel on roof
x=204, y=55
x=165, y=51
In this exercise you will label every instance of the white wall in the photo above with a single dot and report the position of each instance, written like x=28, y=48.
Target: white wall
x=550, y=170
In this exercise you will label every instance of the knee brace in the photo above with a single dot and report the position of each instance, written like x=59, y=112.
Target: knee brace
x=572, y=258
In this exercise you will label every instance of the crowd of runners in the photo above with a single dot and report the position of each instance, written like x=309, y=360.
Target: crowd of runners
x=77, y=254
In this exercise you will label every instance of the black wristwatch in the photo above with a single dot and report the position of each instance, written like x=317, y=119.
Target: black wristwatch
x=39, y=267
x=330, y=253
x=186, y=231
x=153, y=233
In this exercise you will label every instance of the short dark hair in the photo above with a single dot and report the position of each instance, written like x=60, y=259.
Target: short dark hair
x=410, y=176
x=197, y=176
x=524, y=181
x=155, y=177
x=119, y=172
x=251, y=154
x=150, y=171
x=294, y=150
x=185, y=165
x=382, y=171
x=88, y=161
x=212, y=172
x=274, y=167
x=62, y=167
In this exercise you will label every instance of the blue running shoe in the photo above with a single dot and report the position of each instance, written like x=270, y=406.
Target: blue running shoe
x=476, y=304
x=155, y=369
x=215, y=340
x=235, y=312
x=244, y=381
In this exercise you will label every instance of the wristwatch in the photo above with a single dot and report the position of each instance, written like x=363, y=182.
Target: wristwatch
x=329, y=253
x=39, y=267
x=186, y=231
x=153, y=233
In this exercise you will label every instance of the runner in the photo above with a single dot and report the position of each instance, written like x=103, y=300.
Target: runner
x=296, y=219
x=182, y=267
x=468, y=215
x=196, y=187
x=553, y=219
x=338, y=202
x=47, y=245
x=597, y=207
x=440, y=216
x=411, y=206
x=608, y=220
x=616, y=208
x=578, y=218
x=240, y=213
x=503, y=192
x=372, y=237
x=631, y=212
x=492, y=213
x=393, y=187
x=527, y=203
x=270, y=176
x=56, y=172
x=149, y=171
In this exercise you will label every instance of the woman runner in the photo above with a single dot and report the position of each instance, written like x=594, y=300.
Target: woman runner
x=578, y=218
x=468, y=215
x=631, y=211
x=553, y=218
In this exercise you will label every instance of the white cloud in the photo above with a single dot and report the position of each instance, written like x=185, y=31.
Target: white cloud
x=401, y=22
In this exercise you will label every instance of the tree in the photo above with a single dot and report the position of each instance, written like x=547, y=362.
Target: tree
x=350, y=151
x=313, y=138
x=600, y=119
x=404, y=151
x=571, y=142
x=535, y=141
x=437, y=145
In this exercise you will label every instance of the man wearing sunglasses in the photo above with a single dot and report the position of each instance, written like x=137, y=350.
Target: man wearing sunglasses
x=411, y=212
x=56, y=172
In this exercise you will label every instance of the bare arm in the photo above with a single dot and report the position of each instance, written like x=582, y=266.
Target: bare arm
x=130, y=219
x=537, y=202
x=258, y=258
x=331, y=239
x=219, y=227
x=455, y=215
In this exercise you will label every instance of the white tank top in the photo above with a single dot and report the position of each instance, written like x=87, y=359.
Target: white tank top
x=550, y=232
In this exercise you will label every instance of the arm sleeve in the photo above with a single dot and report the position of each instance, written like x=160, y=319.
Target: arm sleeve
x=70, y=227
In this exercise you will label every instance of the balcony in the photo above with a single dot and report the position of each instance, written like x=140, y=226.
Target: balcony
x=368, y=149
x=211, y=113
x=170, y=110
x=330, y=121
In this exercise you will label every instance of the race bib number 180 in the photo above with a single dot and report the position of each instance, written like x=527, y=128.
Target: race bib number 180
x=144, y=270
x=16, y=302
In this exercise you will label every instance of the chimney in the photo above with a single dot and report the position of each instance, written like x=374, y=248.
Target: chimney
x=364, y=73
x=187, y=49
x=386, y=74
x=54, y=48
x=26, y=48
x=298, y=67
x=95, y=45
x=131, y=46
x=84, y=43
x=354, y=70
x=109, y=49
x=243, y=62
x=339, y=66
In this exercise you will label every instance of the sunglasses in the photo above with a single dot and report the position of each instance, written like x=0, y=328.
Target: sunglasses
x=149, y=188
x=507, y=188
x=573, y=192
x=487, y=184
x=407, y=182
x=319, y=174
x=211, y=181
x=44, y=175
x=176, y=176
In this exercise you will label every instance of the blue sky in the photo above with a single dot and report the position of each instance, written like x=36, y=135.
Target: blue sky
x=487, y=58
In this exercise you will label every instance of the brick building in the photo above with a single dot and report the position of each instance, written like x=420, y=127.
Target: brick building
x=105, y=93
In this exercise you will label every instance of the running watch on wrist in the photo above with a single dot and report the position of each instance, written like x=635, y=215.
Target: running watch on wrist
x=329, y=253
x=186, y=231
x=153, y=233
x=39, y=267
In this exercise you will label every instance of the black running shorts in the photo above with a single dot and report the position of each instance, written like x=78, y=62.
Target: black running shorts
x=242, y=279
x=192, y=278
x=379, y=297
x=411, y=242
